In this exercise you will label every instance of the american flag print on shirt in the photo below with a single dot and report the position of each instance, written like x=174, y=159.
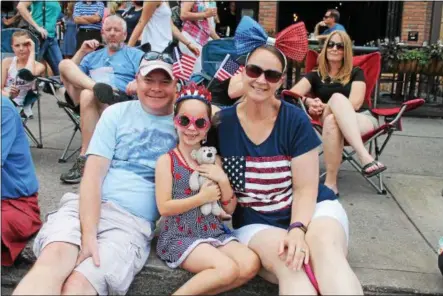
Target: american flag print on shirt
x=261, y=183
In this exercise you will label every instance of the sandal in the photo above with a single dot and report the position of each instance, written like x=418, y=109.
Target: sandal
x=381, y=168
x=107, y=95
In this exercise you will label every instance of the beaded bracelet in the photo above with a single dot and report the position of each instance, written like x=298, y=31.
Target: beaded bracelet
x=225, y=203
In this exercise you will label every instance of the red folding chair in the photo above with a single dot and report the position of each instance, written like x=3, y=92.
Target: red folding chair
x=371, y=65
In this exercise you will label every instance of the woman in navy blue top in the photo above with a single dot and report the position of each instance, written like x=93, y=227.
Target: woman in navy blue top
x=269, y=152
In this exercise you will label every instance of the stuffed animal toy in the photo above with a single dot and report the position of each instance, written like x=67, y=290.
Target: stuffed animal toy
x=204, y=155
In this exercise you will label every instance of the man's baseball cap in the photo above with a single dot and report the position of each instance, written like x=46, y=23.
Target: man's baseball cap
x=152, y=61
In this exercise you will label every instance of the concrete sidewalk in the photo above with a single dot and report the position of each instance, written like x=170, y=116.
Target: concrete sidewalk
x=394, y=237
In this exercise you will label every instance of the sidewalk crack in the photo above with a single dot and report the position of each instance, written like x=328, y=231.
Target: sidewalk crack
x=410, y=220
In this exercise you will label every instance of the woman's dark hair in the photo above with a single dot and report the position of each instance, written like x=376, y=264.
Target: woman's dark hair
x=274, y=51
x=335, y=14
x=138, y=3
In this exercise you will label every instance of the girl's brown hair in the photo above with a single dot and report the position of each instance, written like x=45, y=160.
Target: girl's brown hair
x=274, y=51
x=179, y=104
x=344, y=74
x=18, y=34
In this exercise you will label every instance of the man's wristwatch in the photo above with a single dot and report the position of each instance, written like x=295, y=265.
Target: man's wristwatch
x=298, y=225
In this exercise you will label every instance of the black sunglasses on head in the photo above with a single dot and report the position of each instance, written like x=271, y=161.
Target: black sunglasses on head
x=153, y=55
x=271, y=76
x=326, y=16
x=339, y=45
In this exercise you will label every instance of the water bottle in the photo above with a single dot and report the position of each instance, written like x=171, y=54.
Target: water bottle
x=212, y=4
x=201, y=7
x=440, y=255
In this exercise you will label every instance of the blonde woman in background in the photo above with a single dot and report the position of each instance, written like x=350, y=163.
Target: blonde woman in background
x=338, y=91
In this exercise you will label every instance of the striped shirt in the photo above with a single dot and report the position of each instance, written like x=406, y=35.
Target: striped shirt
x=199, y=30
x=83, y=9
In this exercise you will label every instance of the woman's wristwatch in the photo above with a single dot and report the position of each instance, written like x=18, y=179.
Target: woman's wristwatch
x=298, y=225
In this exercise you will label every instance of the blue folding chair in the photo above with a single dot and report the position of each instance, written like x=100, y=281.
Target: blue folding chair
x=6, y=51
x=214, y=52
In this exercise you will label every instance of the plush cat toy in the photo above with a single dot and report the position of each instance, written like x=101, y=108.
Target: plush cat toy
x=204, y=155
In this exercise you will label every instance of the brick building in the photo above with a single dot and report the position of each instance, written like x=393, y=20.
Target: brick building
x=413, y=21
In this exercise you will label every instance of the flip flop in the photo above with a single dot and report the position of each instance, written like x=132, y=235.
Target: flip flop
x=107, y=95
x=381, y=168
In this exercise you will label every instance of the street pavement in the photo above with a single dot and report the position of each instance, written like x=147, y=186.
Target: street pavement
x=393, y=237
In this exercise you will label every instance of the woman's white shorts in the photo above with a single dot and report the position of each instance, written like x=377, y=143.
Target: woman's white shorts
x=326, y=208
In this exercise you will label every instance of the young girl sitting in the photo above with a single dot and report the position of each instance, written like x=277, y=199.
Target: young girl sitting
x=197, y=243
x=12, y=86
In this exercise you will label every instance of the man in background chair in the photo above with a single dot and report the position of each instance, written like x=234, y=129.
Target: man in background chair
x=113, y=67
x=330, y=20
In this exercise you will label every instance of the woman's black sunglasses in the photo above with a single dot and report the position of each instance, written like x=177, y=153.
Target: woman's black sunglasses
x=153, y=55
x=340, y=45
x=271, y=76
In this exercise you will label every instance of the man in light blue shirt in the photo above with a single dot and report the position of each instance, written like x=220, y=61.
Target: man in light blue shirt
x=104, y=235
x=330, y=20
x=89, y=72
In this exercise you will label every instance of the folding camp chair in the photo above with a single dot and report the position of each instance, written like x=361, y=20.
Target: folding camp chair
x=213, y=54
x=6, y=51
x=73, y=112
x=370, y=64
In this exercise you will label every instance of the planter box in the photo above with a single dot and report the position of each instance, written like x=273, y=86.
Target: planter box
x=433, y=68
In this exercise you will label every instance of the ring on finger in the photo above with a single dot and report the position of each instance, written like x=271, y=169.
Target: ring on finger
x=303, y=251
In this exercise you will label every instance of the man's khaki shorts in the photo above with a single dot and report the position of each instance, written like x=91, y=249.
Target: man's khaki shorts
x=124, y=243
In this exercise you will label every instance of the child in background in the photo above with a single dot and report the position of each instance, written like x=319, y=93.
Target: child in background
x=14, y=87
x=197, y=243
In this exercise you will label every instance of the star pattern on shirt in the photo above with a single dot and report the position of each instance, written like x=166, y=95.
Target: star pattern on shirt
x=234, y=167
